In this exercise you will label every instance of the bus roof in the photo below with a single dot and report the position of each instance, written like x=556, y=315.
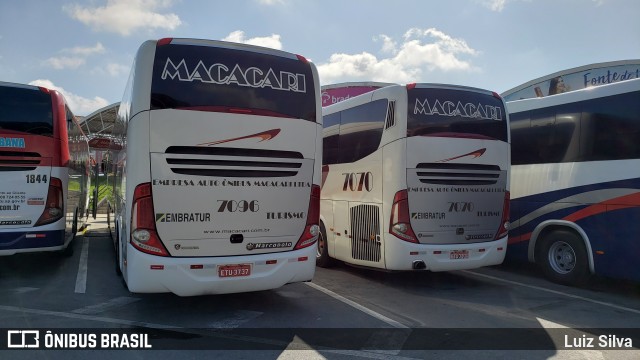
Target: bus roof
x=21, y=86
x=577, y=78
x=574, y=96
x=230, y=45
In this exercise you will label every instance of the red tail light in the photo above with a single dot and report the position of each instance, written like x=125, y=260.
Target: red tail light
x=54, y=207
x=312, y=229
x=400, y=222
x=503, y=230
x=144, y=235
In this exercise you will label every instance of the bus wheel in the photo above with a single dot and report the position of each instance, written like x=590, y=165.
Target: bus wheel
x=117, y=249
x=109, y=222
x=68, y=251
x=322, y=252
x=563, y=258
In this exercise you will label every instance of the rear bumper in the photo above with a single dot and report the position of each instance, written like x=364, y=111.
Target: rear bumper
x=438, y=257
x=28, y=240
x=178, y=277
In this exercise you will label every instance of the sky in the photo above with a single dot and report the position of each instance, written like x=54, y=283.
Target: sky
x=85, y=48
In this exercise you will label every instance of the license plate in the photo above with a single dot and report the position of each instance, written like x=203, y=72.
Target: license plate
x=234, y=270
x=459, y=254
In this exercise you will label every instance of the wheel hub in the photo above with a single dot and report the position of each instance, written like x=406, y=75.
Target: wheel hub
x=562, y=257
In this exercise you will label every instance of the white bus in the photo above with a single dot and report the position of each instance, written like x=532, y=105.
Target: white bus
x=576, y=182
x=44, y=164
x=218, y=180
x=415, y=177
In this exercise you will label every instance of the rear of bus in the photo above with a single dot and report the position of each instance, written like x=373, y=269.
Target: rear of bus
x=454, y=212
x=33, y=184
x=231, y=200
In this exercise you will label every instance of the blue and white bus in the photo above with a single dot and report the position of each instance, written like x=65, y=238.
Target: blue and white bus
x=575, y=188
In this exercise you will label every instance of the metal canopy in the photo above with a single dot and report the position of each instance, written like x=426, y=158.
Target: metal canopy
x=98, y=126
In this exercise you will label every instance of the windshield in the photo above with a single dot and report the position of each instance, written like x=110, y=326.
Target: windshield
x=230, y=80
x=455, y=113
x=26, y=110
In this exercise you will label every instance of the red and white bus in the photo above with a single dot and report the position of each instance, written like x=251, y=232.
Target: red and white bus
x=44, y=164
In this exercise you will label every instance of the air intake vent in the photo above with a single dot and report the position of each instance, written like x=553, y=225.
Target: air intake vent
x=18, y=161
x=233, y=162
x=391, y=115
x=458, y=174
x=365, y=233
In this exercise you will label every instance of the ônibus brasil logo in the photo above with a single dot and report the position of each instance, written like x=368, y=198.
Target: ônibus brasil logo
x=222, y=74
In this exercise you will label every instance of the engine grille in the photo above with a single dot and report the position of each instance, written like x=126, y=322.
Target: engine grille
x=233, y=162
x=19, y=161
x=365, y=232
x=458, y=174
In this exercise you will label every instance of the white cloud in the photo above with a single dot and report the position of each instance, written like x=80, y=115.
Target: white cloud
x=125, y=16
x=78, y=104
x=388, y=44
x=86, y=51
x=272, y=41
x=271, y=2
x=64, y=62
x=420, y=52
x=495, y=5
x=73, y=62
x=114, y=69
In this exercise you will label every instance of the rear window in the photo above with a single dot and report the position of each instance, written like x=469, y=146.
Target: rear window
x=26, y=110
x=232, y=80
x=455, y=113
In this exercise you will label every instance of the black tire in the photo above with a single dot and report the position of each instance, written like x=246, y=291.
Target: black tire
x=322, y=252
x=117, y=250
x=563, y=258
x=109, y=223
x=68, y=251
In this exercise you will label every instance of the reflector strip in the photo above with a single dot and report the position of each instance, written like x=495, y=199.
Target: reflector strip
x=271, y=262
x=195, y=267
x=32, y=236
x=157, y=267
x=437, y=252
x=481, y=250
x=413, y=253
x=303, y=258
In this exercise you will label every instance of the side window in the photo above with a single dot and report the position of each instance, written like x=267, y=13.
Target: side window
x=554, y=131
x=70, y=123
x=611, y=128
x=545, y=136
x=361, y=130
x=71, y=135
x=521, y=142
x=330, y=138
